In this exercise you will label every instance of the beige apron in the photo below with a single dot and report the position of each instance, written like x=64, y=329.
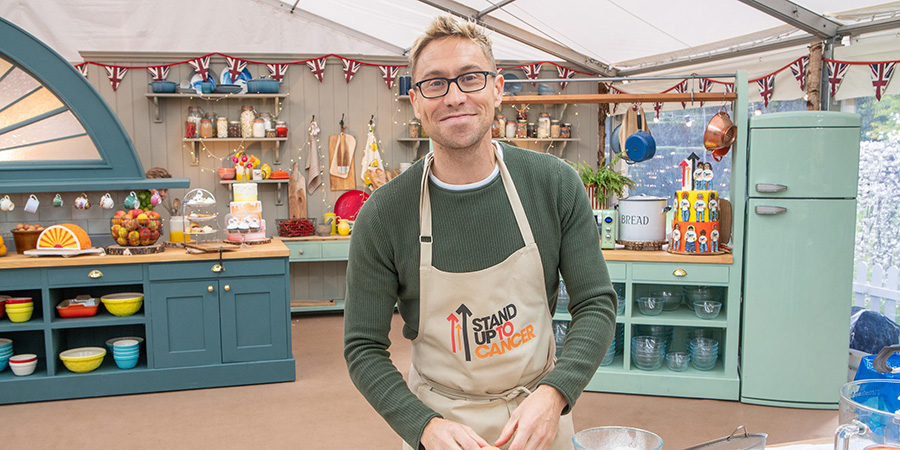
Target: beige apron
x=485, y=338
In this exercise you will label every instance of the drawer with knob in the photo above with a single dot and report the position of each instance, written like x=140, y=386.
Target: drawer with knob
x=95, y=275
x=681, y=273
x=214, y=269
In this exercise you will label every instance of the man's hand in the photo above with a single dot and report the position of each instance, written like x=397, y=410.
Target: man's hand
x=442, y=434
x=535, y=421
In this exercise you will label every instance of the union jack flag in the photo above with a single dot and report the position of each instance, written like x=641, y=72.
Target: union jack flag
x=836, y=72
x=881, y=76
x=235, y=67
x=278, y=71
x=201, y=66
x=115, y=74
x=158, y=73
x=350, y=68
x=389, y=73
x=729, y=88
x=705, y=85
x=799, y=68
x=532, y=71
x=681, y=88
x=82, y=68
x=499, y=69
x=564, y=72
x=318, y=67
x=766, y=87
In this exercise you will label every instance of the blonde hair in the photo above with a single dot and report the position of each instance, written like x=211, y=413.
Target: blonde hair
x=157, y=172
x=446, y=26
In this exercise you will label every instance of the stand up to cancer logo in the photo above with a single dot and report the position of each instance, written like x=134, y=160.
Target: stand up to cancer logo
x=491, y=335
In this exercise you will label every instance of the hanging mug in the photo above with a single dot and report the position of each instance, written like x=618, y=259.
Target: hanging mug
x=155, y=199
x=82, y=202
x=6, y=204
x=131, y=201
x=32, y=204
x=106, y=201
x=57, y=201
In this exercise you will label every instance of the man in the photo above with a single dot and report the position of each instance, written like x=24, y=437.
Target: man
x=469, y=243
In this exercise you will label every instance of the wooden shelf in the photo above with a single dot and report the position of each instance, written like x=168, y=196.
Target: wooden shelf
x=154, y=98
x=278, y=201
x=620, y=98
x=195, y=157
x=413, y=139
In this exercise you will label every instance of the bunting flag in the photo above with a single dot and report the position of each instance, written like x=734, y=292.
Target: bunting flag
x=318, y=67
x=115, y=74
x=278, y=71
x=681, y=88
x=799, y=68
x=564, y=72
x=881, y=76
x=836, y=72
x=499, y=69
x=350, y=68
x=766, y=87
x=389, y=73
x=657, y=107
x=532, y=71
x=201, y=66
x=83, y=69
x=729, y=88
x=235, y=67
x=159, y=73
x=704, y=86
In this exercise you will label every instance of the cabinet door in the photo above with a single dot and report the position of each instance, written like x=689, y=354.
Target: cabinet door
x=185, y=322
x=797, y=295
x=255, y=316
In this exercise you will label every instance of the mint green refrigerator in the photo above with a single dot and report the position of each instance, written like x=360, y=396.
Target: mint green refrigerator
x=798, y=257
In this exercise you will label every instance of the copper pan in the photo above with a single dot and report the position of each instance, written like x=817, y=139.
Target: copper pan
x=720, y=132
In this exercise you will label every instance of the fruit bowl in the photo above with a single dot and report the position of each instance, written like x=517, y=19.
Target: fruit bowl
x=136, y=227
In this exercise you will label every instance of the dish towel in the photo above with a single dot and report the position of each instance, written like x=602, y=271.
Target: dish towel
x=371, y=157
x=313, y=167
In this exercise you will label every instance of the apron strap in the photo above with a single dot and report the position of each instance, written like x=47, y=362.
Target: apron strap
x=425, y=237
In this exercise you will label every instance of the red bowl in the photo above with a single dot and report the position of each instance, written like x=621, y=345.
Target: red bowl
x=15, y=300
x=227, y=173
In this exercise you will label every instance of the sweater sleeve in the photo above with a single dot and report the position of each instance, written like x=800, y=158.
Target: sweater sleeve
x=592, y=303
x=372, y=285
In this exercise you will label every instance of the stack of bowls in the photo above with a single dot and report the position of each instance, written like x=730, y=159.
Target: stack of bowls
x=126, y=353
x=661, y=331
x=693, y=333
x=83, y=359
x=704, y=353
x=671, y=298
x=707, y=309
x=620, y=307
x=651, y=306
x=648, y=352
x=694, y=294
x=610, y=354
x=19, y=309
x=678, y=361
x=6, y=352
x=620, y=338
x=3, y=305
x=24, y=364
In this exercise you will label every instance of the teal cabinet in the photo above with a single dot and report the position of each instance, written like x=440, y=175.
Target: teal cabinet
x=318, y=274
x=186, y=323
x=253, y=314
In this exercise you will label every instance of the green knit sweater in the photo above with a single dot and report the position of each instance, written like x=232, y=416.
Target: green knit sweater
x=473, y=229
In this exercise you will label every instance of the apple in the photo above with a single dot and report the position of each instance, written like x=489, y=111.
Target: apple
x=123, y=232
x=153, y=214
x=115, y=230
x=142, y=219
x=117, y=219
x=154, y=235
x=122, y=241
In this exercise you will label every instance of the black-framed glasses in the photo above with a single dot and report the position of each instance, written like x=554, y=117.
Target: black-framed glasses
x=467, y=82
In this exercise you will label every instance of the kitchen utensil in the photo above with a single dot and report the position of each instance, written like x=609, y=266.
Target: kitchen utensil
x=163, y=87
x=83, y=359
x=332, y=219
x=82, y=202
x=131, y=200
x=297, y=206
x=707, y=309
x=608, y=438
x=71, y=308
x=31, y=205
x=720, y=132
x=739, y=439
x=57, y=201
x=634, y=120
x=349, y=203
x=614, y=142
x=651, y=306
x=867, y=414
x=640, y=146
x=106, y=201
x=642, y=218
x=6, y=204
x=123, y=304
x=341, y=149
x=263, y=86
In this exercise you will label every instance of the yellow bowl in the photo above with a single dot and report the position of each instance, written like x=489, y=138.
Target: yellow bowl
x=23, y=308
x=19, y=316
x=124, y=304
x=83, y=359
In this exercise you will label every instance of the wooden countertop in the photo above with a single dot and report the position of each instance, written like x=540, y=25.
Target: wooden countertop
x=664, y=256
x=313, y=238
x=271, y=250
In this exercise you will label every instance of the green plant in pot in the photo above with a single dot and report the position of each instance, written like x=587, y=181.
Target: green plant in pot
x=605, y=179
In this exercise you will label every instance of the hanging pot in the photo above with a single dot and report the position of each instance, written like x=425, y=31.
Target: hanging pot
x=614, y=143
x=720, y=134
x=640, y=146
x=642, y=218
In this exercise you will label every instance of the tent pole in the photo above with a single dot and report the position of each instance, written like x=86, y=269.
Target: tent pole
x=603, y=109
x=814, y=78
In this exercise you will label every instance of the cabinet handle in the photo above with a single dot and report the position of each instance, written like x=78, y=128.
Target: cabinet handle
x=210, y=289
x=680, y=273
x=218, y=268
x=227, y=287
x=770, y=188
x=770, y=210
x=95, y=274
x=300, y=251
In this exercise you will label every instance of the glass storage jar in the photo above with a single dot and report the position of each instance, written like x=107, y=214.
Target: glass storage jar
x=206, y=128
x=500, y=126
x=267, y=120
x=259, y=128
x=531, y=130
x=222, y=127
x=565, y=131
x=415, y=128
x=521, y=128
x=234, y=129
x=212, y=121
x=192, y=124
x=510, y=129
x=543, y=126
x=248, y=114
x=281, y=128
x=554, y=128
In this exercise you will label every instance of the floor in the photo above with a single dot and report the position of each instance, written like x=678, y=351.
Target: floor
x=322, y=410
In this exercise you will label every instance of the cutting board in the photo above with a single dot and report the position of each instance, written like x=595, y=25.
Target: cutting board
x=338, y=183
x=297, y=194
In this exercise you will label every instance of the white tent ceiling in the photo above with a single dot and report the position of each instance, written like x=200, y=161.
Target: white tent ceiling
x=619, y=33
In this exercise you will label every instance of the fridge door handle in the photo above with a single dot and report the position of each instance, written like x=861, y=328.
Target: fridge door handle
x=768, y=188
x=770, y=210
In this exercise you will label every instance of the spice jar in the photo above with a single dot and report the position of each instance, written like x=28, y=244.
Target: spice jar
x=565, y=131
x=221, y=127
x=267, y=120
x=495, y=129
x=532, y=130
x=415, y=128
x=500, y=123
x=280, y=129
x=554, y=128
x=521, y=128
x=212, y=121
x=510, y=129
x=206, y=128
x=270, y=132
x=259, y=128
x=543, y=126
x=234, y=129
x=195, y=113
x=247, y=117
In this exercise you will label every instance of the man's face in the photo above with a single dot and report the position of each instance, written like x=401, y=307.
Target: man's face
x=457, y=120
